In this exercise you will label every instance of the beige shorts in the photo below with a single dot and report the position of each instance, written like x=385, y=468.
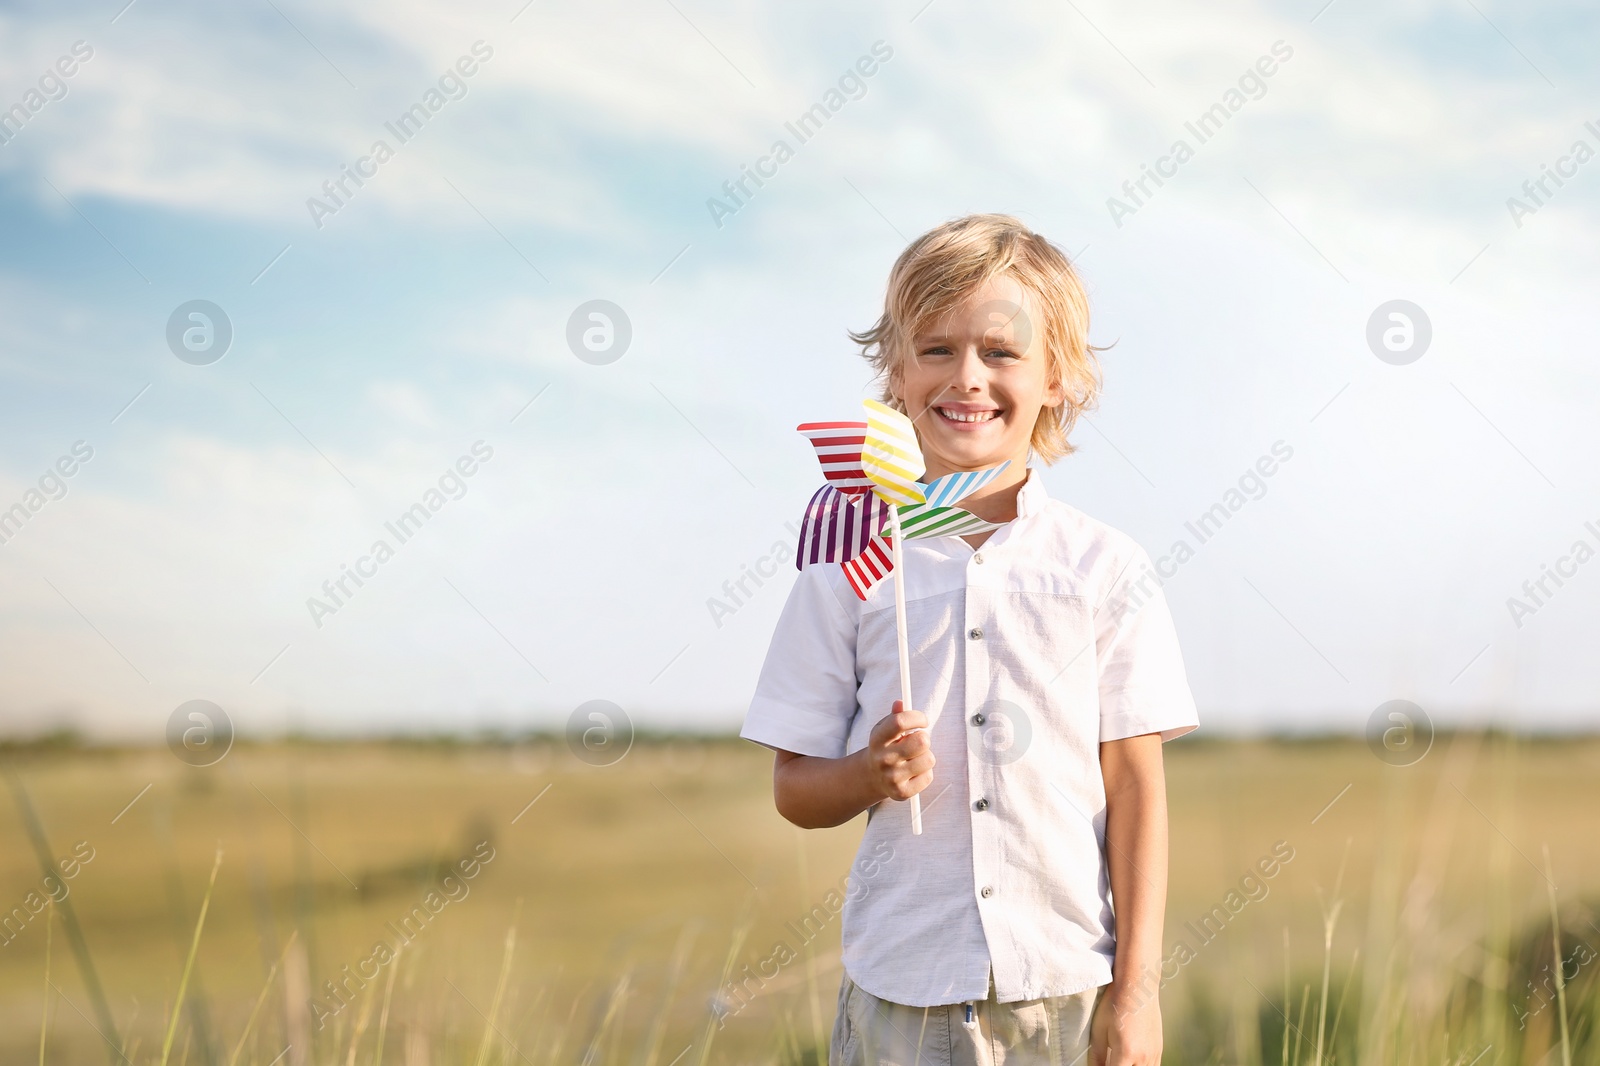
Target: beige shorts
x=869, y=1031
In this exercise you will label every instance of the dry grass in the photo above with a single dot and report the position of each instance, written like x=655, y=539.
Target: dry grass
x=617, y=904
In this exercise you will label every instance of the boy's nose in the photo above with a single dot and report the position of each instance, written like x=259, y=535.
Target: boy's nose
x=970, y=373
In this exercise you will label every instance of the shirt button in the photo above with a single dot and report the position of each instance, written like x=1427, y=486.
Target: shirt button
x=975, y=633
x=978, y=558
x=986, y=892
x=977, y=719
x=981, y=805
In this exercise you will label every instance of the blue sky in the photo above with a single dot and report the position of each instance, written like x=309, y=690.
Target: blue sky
x=371, y=353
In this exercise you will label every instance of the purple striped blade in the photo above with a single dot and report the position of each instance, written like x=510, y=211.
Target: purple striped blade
x=836, y=529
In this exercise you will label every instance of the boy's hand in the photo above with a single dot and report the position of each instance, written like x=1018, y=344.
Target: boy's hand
x=899, y=761
x=1126, y=1029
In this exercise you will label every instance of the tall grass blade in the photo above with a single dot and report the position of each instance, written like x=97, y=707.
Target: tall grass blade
x=499, y=995
x=1381, y=993
x=680, y=960
x=44, y=1021
x=69, y=917
x=361, y=1024
x=188, y=964
x=1286, y=993
x=741, y=930
x=296, y=1000
x=1299, y=1030
x=817, y=1036
x=1556, y=963
x=129, y=1051
x=383, y=1016
x=1338, y=1012
x=178, y=910
x=608, y=1021
x=262, y=998
x=561, y=1033
x=1330, y=919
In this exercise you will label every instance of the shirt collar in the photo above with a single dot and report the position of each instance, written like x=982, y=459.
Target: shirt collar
x=1032, y=496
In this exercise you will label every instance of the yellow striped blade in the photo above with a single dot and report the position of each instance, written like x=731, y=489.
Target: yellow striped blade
x=890, y=456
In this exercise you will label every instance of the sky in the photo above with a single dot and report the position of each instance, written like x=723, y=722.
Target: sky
x=385, y=337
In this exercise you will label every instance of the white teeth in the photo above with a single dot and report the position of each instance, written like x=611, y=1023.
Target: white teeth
x=975, y=416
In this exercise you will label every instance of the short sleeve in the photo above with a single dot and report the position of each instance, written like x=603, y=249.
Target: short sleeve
x=805, y=698
x=1142, y=684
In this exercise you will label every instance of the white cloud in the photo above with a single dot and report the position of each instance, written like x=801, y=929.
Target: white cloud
x=252, y=124
x=591, y=141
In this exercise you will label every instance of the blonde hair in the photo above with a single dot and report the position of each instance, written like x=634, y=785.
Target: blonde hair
x=941, y=268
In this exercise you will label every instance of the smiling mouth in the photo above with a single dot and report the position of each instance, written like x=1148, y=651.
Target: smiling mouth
x=966, y=416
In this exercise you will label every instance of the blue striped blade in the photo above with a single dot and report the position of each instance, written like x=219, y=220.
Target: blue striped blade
x=944, y=491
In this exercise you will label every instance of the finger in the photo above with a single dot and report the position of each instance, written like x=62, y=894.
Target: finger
x=910, y=745
x=1099, y=1029
x=917, y=762
x=912, y=786
x=916, y=737
x=895, y=768
x=906, y=717
x=912, y=719
x=885, y=731
x=896, y=723
x=903, y=745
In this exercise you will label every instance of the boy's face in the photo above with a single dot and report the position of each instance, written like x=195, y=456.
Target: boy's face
x=975, y=381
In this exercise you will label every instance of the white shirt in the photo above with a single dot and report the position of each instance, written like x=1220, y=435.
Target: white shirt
x=1055, y=637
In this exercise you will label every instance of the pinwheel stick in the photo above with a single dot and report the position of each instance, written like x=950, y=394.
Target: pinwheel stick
x=900, y=634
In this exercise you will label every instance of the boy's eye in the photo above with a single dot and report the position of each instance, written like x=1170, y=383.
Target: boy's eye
x=992, y=353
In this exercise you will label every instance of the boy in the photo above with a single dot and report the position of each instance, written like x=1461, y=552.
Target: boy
x=1045, y=673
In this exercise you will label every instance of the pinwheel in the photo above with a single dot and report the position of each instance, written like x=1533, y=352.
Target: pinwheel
x=872, y=488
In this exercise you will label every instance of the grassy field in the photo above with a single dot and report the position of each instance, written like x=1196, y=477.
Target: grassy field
x=1412, y=921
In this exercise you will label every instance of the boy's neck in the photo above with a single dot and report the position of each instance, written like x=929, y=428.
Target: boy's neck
x=996, y=501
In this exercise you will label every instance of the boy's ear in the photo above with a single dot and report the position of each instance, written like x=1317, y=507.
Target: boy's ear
x=1056, y=394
